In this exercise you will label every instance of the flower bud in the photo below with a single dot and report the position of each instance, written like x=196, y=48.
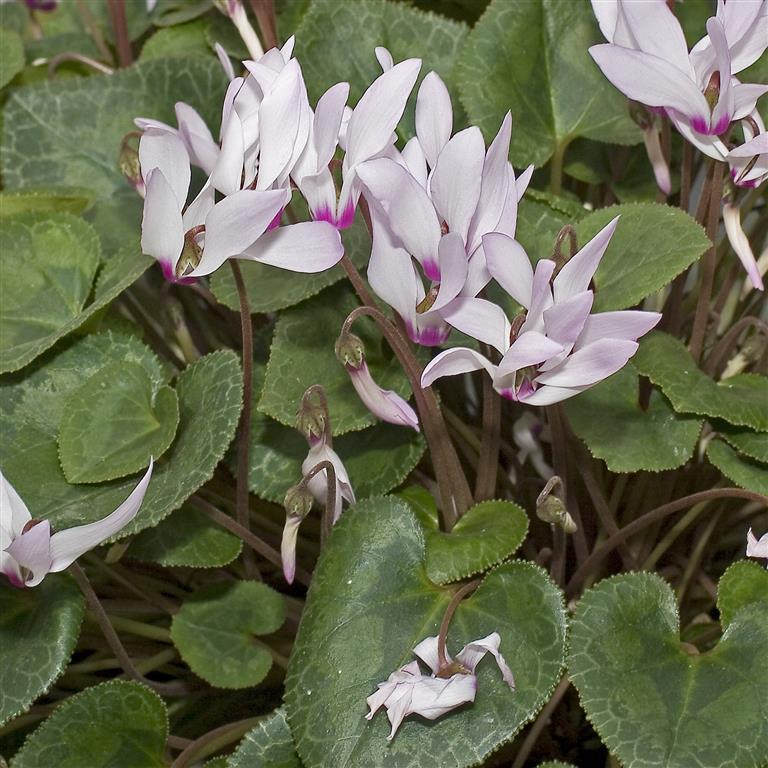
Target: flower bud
x=130, y=167
x=350, y=350
x=312, y=417
x=298, y=501
x=552, y=509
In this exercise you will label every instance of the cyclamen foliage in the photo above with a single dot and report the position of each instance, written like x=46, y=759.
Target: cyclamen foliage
x=340, y=335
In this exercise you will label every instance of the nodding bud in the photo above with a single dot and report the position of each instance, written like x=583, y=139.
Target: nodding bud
x=191, y=253
x=129, y=164
x=312, y=418
x=712, y=91
x=298, y=502
x=573, y=246
x=350, y=350
x=551, y=508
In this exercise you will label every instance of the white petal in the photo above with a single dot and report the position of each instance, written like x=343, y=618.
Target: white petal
x=166, y=151
x=628, y=324
x=510, y=266
x=434, y=116
x=68, y=545
x=453, y=269
x=32, y=552
x=740, y=244
x=590, y=364
x=227, y=174
x=203, y=150
x=14, y=514
x=455, y=361
x=309, y=246
x=426, y=650
x=327, y=123
x=162, y=232
x=415, y=162
x=530, y=348
x=481, y=319
x=473, y=653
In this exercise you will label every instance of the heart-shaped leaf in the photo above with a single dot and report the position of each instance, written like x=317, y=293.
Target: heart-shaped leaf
x=652, y=703
x=113, y=724
x=652, y=244
x=216, y=628
x=609, y=419
x=38, y=631
x=742, y=470
x=743, y=583
x=746, y=441
x=739, y=400
x=268, y=745
x=302, y=354
x=487, y=534
x=187, y=538
x=210, y=400
x=540, y=216
x=531, y=58
x=369, y=603
x=114, y=423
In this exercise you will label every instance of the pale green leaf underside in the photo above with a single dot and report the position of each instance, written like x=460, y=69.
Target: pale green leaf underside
x=739, y=400
x=216, y=630
x=531, y=58
x=370, y=602
x=652, y=244
x=654, y=705
x=609, y=420
x=38, y=631
x=187, y=538
x=114, y=423
x=302, y=354
x=209, y=393
x=742, y=470
x=744, y=582
x=114, y=724
x=268, y=745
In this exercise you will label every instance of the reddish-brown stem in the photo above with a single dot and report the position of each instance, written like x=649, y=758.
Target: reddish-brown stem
x=213, y=741
x=488, y=459
x=265, y=18
x=458, y=596
x=120, y=27
x=361, y=289
x=717, y=356
x=330, y=499
x=708, y=265
x=244, y=435
x=649, y=518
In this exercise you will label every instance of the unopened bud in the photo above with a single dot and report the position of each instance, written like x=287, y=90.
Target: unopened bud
x=190, y=254
x=129, y=164
x=350, y=349
x=557, y=252
x=298, y=502
x=552, y=509
x=312, y=416
x=639, y=114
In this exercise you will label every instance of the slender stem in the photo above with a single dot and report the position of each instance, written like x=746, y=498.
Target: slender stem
x=253, y=541
x=454, y=489
x=244, y=435
x=93, y=30
x=361, y=289
x=120, y=27
x=541, y=723
x=330, y=499
x=556, y=168
x=265, y=18
x=213, y=741
x=80, y=58
x=649, y=518
x=177, y=742
x=168, y=689
x=685, y=176
x=488, y=460
x=708, y=265
x=458, y=596
x=717, y=356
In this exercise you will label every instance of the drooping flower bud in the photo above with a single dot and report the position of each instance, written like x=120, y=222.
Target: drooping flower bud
x=552, y=509
x=298, y=503
x=129, y=164
x=312, y=416
x=350, y=350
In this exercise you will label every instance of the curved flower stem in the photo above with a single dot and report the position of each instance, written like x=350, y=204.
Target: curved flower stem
x=213, y=741
x=354, y=276
x=244, y=438
x=80, y=58
x=708, y=264
x=165, y=689
x=649, y=518
x=458, y=596
x=120, y=27
x=716, y=357
x=330, y=499
x=454, y=489
x=265, y=18
x=253, y=541
x=488, y=460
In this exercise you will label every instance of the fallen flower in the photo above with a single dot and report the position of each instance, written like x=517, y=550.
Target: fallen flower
x=407, y=691
x=757, y=547
x=28, y=550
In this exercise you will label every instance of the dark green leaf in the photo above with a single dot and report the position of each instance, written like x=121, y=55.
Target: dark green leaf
x=75, y=201
x=12, y=60
x=370, y=602
x=746, y=441
x=654, y=704
x=39, y=628
x=114, y=724
x=651, y=246
x=609, y=419
x=742, y=584
x=739, y=400
x=742, y=470
x=216, y=632
x=540, y=217
x=531, y=58
x=268, y=745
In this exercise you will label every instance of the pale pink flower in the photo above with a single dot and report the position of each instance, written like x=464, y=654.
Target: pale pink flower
x=757, y=547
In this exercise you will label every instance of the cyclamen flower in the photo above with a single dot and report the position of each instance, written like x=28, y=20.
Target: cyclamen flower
x=420, y=211
x=382, y=403
x=28, y=550
x=647, y=59
x=319, y=450
x=559, y=349
x=407, y=691
x=199, y=239
x=757, y=547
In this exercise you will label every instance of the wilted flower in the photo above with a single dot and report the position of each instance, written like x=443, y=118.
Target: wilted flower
x=28, y=550
x=557, y=349
x=757, y=547
x=407, y=691
x=740, y=243
x=319, y=450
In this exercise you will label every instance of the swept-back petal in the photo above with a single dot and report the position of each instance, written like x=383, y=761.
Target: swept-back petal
x=203, y=150
x=627, y=324
x=510, y=266
x=434, y=116
x=14, y=514
x=530, y=348
x=740, y=244
x=590, y=364
x=565, y=320
x=454, y=361
x=309, y=246
x=472, y=653
x=722, y=114
x=227, y=174
x=453, y=269
x=327, y=122
x=32, y=552
x=481, y=319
